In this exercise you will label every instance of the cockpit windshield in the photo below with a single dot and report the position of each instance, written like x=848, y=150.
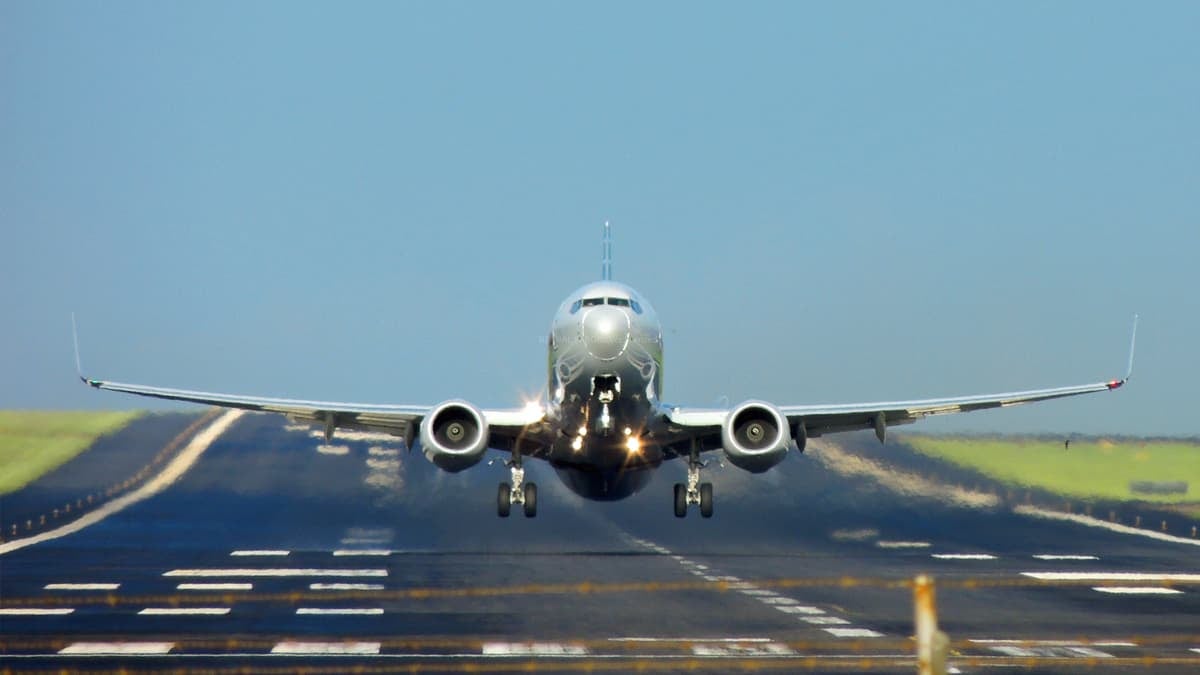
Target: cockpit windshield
x=616, y=302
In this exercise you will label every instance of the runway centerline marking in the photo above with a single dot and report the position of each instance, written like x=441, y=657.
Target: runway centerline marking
x=364, y=551
x=260, y=552
x=903, y=544
x=1057, y=556
x=852, y=632
x=214, y=587
x=532, y=649
x=81, y=587
x=345, y=587
x=688, y=639
x=963, y=556
x=117, y=648
x=184, y=611
x=340, y=611
x=1137, y=590
x=327, y=648
x=799, y=609
x=276, y=572
x=35, y=611
x=824, y=620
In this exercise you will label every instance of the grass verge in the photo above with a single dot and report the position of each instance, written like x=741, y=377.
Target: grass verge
x=33, y=443
x=1089, y=469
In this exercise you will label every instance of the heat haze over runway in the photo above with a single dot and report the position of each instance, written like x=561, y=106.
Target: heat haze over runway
x=275, y=550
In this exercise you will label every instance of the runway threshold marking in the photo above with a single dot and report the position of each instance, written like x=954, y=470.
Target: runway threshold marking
x=81, y=587
x=117, y=648
x=276, y=572
x=184, y=611
x=1181, y=577
x=339, y=611
x=36, y=611
x=327, y=648
x=1137, y=590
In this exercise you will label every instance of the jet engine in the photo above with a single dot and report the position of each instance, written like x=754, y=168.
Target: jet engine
x=755, y=436
x=454, y=435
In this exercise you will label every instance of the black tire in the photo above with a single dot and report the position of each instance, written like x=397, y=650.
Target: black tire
x=706, y=500
x=530, y=500
x=503, y=500
x=680, y=500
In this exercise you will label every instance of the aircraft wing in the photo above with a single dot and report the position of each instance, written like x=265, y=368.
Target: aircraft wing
x=831, y=418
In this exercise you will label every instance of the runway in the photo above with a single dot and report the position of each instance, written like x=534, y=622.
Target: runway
x=275, y=552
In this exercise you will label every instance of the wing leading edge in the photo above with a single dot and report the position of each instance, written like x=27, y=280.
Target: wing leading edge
x=832, y=418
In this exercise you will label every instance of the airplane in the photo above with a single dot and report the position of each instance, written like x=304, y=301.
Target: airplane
x=601, y=423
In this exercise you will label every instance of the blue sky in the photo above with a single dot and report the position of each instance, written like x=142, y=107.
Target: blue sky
x=386, y=202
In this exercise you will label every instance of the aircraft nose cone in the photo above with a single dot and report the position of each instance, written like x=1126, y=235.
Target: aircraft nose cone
x=606, y=332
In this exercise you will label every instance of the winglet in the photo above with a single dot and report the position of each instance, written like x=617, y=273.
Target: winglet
x=606, y=261
x=78, y=361
x=1129, y=368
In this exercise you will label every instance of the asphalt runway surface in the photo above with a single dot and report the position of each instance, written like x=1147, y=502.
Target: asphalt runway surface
x=278, y=553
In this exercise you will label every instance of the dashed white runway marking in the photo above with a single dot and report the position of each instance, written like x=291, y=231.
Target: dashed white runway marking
x=758, y=591
x=346, y=435
x=35, y=611
x=852, y=632
x=264, y=553
x=1195, y=649
x=1137, y=590
x=327, y=648
x=1052, y=652
x=343, y=611
x=903, y=544
x=117, y=648
x=377, y=451
x=81, y=587
x=345, y=587
x=335, y=450
x=799, y=609
x=1114, y=576
x=735, y=649
x=824, y=620
x=711, y=579
x=1056, y=556
x=533, y=649
x=963, y=556
x=689, y=639
x=781, y=600
x=184, y=611
x=214, y=587
x=279, y=572
x=361, y=551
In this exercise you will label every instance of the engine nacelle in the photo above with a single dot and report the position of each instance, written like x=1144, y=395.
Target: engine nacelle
x=454, y=435
x=755, y=436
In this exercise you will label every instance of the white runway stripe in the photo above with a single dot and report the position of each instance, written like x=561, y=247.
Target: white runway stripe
x=279, y=572
x=532, y=649
x=260, y=553
x=117, y=648
x=1102, y=524
x=852, y=632
x=903, y=544
x=963, y=556
x=214, y=587
x=317, y=648
x=1055, y=556
x=334, y=611
x=1137, y=590
x=824, y=620
x=689, y=639
x=345, y=587
x=81, y=587
x=184, y=611
x=799, y=609
x=364, y=551
x=35, y=611
x=1188, y=578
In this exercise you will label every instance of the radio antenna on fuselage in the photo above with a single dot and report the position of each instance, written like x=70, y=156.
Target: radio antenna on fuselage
x=606, y=262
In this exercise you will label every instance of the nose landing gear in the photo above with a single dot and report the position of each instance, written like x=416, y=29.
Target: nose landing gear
x=518, y=492
x=694, y=492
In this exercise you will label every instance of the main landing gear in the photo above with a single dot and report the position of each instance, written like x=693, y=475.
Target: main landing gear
x=694, y=492
x=519, y=492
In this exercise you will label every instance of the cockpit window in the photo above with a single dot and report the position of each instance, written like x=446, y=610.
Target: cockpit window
x=592, y=302
x=576, y=305
x=619, y=302
x=637, y=309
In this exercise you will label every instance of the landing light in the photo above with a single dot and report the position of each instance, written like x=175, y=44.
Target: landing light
x=577, y=444
x=634, y=444
x=583, y=431
x=628, y=431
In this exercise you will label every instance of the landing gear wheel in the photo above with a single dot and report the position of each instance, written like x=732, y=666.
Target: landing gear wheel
x=530, y=500
x=680, y=500
x=503, y=500
x=706, y=500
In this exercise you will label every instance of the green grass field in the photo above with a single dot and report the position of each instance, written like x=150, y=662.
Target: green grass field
x=1089, y=469
x=35, y=442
